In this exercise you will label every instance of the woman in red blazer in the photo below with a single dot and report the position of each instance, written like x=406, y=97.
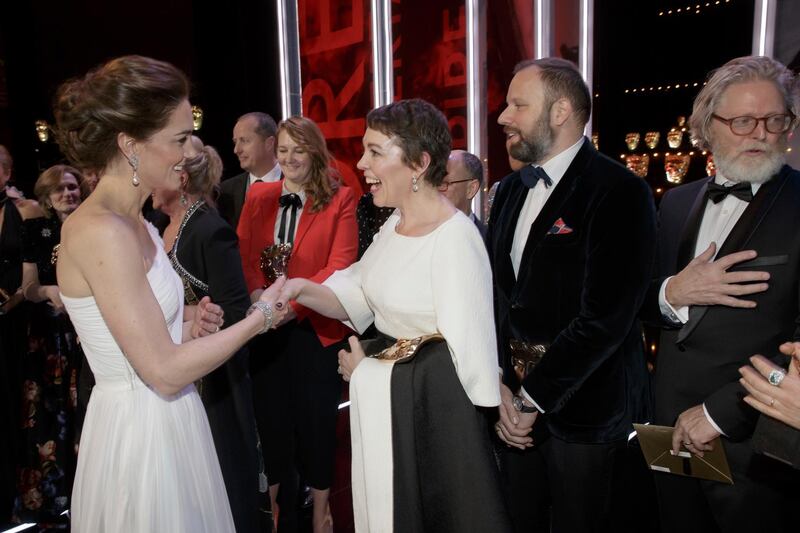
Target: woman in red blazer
x=296, y=388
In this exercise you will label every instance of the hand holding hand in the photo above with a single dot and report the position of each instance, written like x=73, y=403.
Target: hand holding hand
x=514, y=427
x=208, y=318
x=272, y=297
x=707, y=282
x=694, y=431
x=348, y=361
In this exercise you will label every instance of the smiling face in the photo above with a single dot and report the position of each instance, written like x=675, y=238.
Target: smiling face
x=162, y=155
x=295, y=161
x=526, y=118
x=66, y=197
x=389, y=179
x=755, y=157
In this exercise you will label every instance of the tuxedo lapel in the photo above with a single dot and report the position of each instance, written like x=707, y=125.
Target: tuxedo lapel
x=553, y=207
x=691, y=229
x=506, y=226
x=738, y=238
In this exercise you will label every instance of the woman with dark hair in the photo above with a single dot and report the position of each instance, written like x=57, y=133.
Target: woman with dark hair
x=204, y=251
x=50, y=367
x=296, y=387
x=147, y=460
x=422, y=458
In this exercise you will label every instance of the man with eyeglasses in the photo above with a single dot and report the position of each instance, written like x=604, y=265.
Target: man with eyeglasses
x=726, y=287
x=462, y=182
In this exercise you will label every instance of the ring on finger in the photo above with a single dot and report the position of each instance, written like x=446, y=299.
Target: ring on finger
x=339, y=370
x=772, y=402
x=775, y=377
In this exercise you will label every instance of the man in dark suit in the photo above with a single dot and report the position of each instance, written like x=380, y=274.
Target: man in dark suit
x=726, y=287
x=463, y=181
x=572, y=241
x=254, y=145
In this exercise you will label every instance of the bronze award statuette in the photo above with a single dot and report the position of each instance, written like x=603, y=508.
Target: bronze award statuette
x=632, y=141
x=676, y=166
x=651, y=139
x=674, y=138
x=638, y=164
x=525, y=356
x=274, y=262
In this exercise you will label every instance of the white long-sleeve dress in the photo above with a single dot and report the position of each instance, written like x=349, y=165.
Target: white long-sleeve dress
x=410, y=287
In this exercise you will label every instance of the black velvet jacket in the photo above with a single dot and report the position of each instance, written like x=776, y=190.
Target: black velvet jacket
x=580, y=292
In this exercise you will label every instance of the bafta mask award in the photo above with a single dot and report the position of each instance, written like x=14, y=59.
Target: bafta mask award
x=651, y=139
x=676, y=167
x=42, y=130
x=632, y=141
x=274, y=262
x=638, y=164
x=674, y=138
x=596, y=141
x=197, y=118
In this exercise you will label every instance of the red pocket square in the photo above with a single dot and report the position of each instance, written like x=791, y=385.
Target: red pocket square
x=560, y=228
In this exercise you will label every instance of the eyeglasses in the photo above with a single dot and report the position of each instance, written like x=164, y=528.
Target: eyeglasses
x=745, y=125
x=446, y=184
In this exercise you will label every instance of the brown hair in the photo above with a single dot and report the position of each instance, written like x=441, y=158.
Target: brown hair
x=134, y=95
x=50, y=179
x=562, y=79
x=204, y=171
x=417, y=127
x=323, y=182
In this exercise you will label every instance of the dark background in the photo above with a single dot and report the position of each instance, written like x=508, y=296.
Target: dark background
x=228, y=49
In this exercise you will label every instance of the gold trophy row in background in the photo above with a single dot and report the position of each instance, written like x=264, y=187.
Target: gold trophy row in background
x=676, y=164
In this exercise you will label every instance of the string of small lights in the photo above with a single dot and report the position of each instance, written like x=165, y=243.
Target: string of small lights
x=664, y=88
x=693, y=9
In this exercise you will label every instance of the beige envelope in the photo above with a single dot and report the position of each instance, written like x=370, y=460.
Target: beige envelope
x=656, y=443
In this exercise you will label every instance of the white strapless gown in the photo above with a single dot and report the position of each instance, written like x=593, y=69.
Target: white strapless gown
x=146, y=462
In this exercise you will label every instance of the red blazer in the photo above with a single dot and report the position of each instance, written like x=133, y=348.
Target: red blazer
x=326, y=241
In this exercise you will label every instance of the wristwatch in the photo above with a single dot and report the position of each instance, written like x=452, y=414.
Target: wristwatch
x=519, y=405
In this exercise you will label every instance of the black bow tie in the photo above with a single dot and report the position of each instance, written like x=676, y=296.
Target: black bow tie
x=742, y=191
x=291, y=200
x=288, y=201
x=530, y=175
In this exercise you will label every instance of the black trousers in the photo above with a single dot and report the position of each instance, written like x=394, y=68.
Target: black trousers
x=559, y=486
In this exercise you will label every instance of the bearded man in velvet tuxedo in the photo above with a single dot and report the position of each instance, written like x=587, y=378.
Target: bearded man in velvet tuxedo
x=726, y=287
x=572, y=241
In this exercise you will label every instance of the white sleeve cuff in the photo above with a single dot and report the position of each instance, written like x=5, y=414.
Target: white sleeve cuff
x=711, y=421
x=676, y=316
x=528, y=397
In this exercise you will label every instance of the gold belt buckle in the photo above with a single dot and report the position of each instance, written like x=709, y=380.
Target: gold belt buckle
x=525, y=356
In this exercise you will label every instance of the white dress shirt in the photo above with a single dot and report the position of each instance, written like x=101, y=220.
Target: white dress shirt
x=717, y=223
x=537, y=197
x=284, y=192
x=269, y=177
x=555, y=167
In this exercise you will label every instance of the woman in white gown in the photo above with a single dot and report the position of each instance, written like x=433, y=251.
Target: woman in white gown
x=421, y=455
x=147, y=460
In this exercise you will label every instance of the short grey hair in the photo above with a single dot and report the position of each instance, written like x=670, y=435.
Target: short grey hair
x=741, y=69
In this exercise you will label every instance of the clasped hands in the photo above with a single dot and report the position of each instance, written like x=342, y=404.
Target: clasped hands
x=514, y=427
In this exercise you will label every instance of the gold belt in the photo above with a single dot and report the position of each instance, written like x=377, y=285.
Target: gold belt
x=525, y=356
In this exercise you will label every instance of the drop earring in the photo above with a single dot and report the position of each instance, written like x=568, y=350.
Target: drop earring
x=183, y=201
x=134, y=163
x=414, y=186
